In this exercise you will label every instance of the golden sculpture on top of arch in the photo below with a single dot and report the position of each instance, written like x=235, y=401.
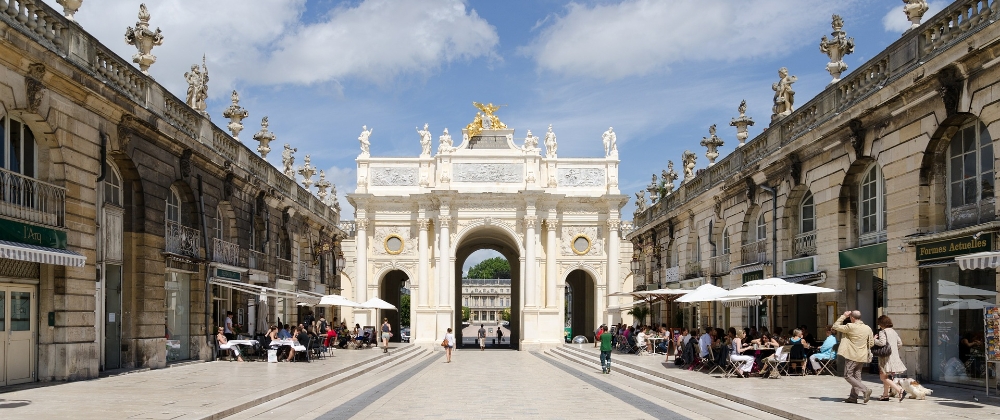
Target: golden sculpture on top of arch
x=485, y=120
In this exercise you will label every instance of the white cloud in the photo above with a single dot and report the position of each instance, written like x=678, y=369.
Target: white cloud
x=345, y=180
x=379, y=39
x=637, y=37
x=895, y=20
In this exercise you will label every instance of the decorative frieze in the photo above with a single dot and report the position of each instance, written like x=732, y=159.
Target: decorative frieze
x=489, y=172
x=393, y=176
x=581, y=177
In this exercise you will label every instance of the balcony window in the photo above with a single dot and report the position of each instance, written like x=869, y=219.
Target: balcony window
x=113, y=186
x=805, y=242
x=725, y=241
x=173, y=207
x=218, y=225
x=761, y=227
x=872, y=207
x=18, y=152
x=970, y=176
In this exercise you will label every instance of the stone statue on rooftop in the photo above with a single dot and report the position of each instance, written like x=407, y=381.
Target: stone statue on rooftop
x=640, y=201
x=669, y=176
x=425, y=141
x=445, y=143
x=550, y=143
x=288, y=160
x=915, y=10
x=784, y=96
x=836, y=48
x=610, y=142
x=363, y=139
x=741, y=123
x=530, y=143
x=688, y=159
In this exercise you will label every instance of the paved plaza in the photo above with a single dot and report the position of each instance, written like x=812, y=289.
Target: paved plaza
x=412, y=382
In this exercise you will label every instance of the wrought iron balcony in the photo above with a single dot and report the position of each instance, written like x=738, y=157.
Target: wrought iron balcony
x=227, y=253
x=256, y=260
x=31, y=200
x=804, y=244
x=693, y=270
x=182, y=240
x=284, y=267
x=719, y=264
x=754, y=252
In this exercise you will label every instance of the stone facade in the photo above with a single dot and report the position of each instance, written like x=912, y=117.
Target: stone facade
x=892, y=119
x=486, y=298
x=152, y=189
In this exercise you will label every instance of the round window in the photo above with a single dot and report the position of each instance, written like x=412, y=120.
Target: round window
x=393, y=244
x=581, y=244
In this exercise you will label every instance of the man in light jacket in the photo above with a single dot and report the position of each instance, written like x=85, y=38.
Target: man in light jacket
x=856, y=349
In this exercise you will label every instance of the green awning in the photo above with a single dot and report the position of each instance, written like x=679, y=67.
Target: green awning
x=865, y=256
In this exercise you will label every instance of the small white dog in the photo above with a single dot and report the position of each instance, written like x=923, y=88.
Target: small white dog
x=913, y=389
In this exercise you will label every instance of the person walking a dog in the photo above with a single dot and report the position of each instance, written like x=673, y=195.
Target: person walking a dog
x=891, y=365
x=856, y=349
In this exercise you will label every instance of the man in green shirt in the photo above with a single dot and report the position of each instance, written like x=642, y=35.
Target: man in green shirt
x=605, y=349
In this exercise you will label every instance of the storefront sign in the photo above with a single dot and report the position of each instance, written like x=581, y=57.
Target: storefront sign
x=800, y=266
x=953, y=247
x=753, y=275
x=31, y=234
x=863, y=256
x=226, y=274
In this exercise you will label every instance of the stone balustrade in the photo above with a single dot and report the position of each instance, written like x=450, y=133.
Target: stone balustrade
x=951, y=25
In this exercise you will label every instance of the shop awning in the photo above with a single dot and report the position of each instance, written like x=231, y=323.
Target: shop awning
x=979, y=261
x=745, y=268
x=262, y=291
x=805, y=278
x=740, y=302
x=936, y=263
x=40, y=254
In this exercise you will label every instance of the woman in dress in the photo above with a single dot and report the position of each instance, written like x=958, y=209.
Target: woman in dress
x=450, y=338
x=889, y=367
x=744, y=362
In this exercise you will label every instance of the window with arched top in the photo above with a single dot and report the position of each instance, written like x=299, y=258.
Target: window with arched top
x=219, y=223
x=725, y=241
x=173, y=207
x=871, y=203
x=970, y=176
x=761, y=227
x=807, y=214
x=113, y=186
x=18, y=152
x=697, y=249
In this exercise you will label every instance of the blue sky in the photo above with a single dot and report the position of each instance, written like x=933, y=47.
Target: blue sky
x=660, y=72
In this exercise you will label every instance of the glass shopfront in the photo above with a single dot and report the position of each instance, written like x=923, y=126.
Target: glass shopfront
x=957, y=300
x=178, y=314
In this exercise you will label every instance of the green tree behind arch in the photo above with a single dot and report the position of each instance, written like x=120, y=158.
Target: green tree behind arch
x=492, y=268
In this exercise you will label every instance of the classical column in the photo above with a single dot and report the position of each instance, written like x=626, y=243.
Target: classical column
x=422, y=263
x=443, y=258
x=551, y=249
x=614, y=236
x=361, y=286
x=530, y=281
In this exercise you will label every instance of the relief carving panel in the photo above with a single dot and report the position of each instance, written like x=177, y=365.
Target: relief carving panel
x=394, y=176
x=489, y=172
x=581, y=177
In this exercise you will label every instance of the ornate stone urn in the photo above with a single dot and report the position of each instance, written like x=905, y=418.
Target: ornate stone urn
x=321, y=186
x=144, y=40
x=307, y=172
x=264, y=137
x=712, y=143
x=236, y=114
x=836, y=48
x=70, y=7
x=741, y=123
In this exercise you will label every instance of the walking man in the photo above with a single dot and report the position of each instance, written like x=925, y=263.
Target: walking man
x=482, y=337
x=856, y=349
x=605, y=338
x=500, y=334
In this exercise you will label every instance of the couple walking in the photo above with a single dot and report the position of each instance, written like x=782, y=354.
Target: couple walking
x=857, y=347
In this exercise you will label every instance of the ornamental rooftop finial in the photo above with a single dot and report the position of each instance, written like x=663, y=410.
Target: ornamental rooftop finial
x=144, y=40
x=836, y=48
x=741, y=123
x=265, y=138
x=236, y=114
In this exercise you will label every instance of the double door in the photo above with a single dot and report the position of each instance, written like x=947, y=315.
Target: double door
x=17, y=334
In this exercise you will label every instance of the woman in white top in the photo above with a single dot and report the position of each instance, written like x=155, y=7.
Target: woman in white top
x=892, y=365
x=224, y=344
x=745, y=362
x=640, y=339
x=450, y=338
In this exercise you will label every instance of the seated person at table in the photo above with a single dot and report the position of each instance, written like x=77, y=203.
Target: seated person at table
x=690, y=353
x=826, y=351
x=331, y=337
x=807, y=336
x=357, y=331
x=283, y=333
x=224, y=344
x=640, y=340
x=798, y=351
x=771, y=362
x=301, y=338
x=744, y=363
x=704, y=342
x=765, y=341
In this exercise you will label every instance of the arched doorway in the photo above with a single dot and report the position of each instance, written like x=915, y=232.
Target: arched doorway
x=392, y=289
x=500, y=241
x=581, y=316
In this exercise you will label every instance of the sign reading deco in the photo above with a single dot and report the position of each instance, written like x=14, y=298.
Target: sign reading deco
x=581, y=244
x=393, y=244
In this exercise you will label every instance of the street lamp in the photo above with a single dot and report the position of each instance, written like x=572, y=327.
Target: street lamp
x=634, y=264
x=340, y=262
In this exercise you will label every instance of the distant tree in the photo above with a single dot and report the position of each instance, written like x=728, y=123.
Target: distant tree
x=492, y=268
x=404, y=310
x=505, y=314
x=466, y=313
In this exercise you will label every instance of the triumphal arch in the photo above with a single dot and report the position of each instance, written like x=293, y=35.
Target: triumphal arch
x=556, y=220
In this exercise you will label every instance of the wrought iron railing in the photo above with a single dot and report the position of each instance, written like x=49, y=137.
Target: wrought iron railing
x=283, y=268
x=804, y=244
x=226, y=252
x=693, y=270
x=754, y=252
x=304, y=270
x=256, y=260
x=182, y=240
x=31, y=200
x=720, y=264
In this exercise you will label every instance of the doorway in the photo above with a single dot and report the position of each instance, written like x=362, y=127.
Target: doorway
x=112, y=316
x=581, y=318
x=392, y=290
x=17, y=333
x=492, y=302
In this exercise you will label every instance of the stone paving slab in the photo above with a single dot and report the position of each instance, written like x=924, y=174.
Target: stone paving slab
x=200, y=390
x=818, y=397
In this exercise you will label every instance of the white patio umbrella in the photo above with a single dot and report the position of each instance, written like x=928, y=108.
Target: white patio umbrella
x=337, y=300
x=376, y=303
x=704, y=293
x=774, y=287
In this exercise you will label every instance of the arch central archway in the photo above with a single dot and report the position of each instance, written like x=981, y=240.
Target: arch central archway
x=501, y=241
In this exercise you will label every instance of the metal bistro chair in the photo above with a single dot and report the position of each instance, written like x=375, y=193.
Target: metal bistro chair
x=732, y=369
x=721, y=362
x=642, y=348
x=796, y=360
x=827, y=365
x=709, y=362
x=303, y=354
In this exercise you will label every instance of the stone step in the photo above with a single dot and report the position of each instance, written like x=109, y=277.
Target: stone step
x=411, y=354
x=344, y=373
x=674, y=383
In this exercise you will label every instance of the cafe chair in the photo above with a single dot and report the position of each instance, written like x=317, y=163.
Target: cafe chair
x=721, y=362
x=827, y=365
x=642, y=350
x=796, y=360
x=708, y=362
x=303, y=354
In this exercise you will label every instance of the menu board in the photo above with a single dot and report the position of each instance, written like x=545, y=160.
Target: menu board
x=992, y=314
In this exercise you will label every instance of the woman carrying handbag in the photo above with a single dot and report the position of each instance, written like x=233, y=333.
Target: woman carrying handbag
x=448, y=343
x=887, y=344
